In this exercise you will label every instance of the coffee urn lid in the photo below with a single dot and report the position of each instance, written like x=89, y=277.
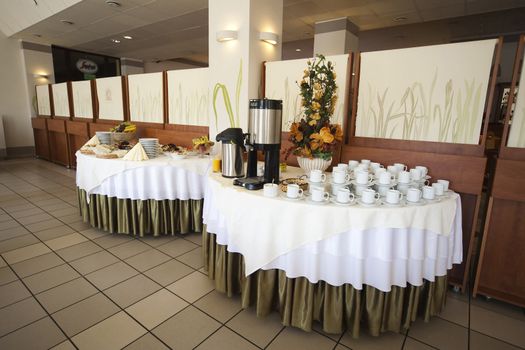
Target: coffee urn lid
x=265, y=103
x=231, y=135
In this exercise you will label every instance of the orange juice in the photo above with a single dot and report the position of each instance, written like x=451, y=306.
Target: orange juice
x=216, y=165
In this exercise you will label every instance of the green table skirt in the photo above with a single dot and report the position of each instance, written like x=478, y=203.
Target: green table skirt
x=301, y=302
x=141, y=217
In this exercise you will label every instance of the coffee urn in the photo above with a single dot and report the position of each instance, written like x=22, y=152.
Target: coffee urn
x=232, y=140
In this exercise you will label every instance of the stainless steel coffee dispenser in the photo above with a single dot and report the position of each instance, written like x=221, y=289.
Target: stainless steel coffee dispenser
x=232, y=140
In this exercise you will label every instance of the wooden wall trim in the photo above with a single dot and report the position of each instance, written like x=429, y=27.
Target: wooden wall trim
x=509, y=181
x=77, y=128
x=56, y=125
x=39, y=123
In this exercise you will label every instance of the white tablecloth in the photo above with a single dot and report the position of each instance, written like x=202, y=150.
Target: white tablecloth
x=322, y=242
x=160, y=178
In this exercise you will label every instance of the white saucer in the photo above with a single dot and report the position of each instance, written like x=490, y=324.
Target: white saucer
x=370, y=183
x=372, y=205
x=342, y=184
x=392, y=184
x=292, y=199
x=309, y=200
x=386, y=204
x=435, y=200
x=421, y=202
x=334, y=201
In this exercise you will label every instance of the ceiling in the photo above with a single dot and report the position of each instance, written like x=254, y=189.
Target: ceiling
x=167, y=29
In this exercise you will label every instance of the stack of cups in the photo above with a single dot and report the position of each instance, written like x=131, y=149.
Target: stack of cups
x=151, y=146
x=340, y=178
x=403, y=181
x=363, y=180
x=316, y=179
x=104, y=137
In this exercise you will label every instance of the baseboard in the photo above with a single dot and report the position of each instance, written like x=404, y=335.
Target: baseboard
x=3, y=153
x=20, y=152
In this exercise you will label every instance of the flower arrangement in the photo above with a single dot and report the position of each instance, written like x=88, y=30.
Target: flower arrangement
x=314, y=136
x=202, y=144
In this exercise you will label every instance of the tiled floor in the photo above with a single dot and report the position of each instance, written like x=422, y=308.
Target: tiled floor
x=64, y=285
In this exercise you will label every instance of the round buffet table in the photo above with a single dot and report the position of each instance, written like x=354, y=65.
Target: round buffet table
x=347, y=267
x=156, y=196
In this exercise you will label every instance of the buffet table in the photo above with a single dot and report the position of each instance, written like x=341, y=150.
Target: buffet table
x=156, y=196
x=345, y=266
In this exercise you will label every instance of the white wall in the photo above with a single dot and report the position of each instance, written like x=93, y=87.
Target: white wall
x=37, y=62
x=14, y=98
x=152, y=67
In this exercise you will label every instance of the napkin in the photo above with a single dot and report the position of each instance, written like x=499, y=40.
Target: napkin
x=94, y=141
x=136, y=153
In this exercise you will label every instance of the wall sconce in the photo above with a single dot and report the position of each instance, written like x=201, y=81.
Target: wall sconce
x=269, y=37
x=226, y=35
x=38, y=76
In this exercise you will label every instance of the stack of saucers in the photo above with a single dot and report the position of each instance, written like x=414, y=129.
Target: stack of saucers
x=151, y=146
x=104, y=137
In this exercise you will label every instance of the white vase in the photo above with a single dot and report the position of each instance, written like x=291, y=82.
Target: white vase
x=308, y=164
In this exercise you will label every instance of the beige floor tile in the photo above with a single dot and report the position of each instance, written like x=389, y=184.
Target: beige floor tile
x=496, y=325
x=259, y=331
x=78, y=251
x=6, y=275
x=225, y=339
x=177, y=247
x=65, y=345
x=19, y=314
x=44, y=225
x=456, y=311
x=77, y=225
x=54, y=232
x=341, y=347
x=156, y=308
x=93, y=233
x=12, y=292
x=74, y=219
x=412, y=344
x=31, y=219
x=50, y=278
x=8, y=225
x=499, y=307
x=37, y=264
x=293, y=338
x=111, y=275
x=2, y=262
x=85, y=313
x=132, y=290
x=111, y=240
x=66, y=294
x=28, y=252
x=168, y=272
x=148, y=259
x=195, y=238
x=42, y=334
x=180, y=332
x=432, y=332
x=319, y=329
x=13, y=233
x=146, y=342
x=192, y=287
x=94, y=262
x=128, y=249
x=109, y=334
x=480, y=341
x=29, y=213
x=157, y=241
x=64, y=211
x=193, y=258
x=17, y=242
x=219, y=306
x=388, y=340
x=66, y=241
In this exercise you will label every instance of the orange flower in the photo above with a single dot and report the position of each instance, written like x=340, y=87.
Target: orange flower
x=296, y=133
x=315, y=105
x=338, y=134
x=325, y=135
x=314, y=145
x=312, y=122
x=306, y=151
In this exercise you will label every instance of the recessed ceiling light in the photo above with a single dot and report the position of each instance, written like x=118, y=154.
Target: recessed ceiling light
x=400, y=19
x=112, y=3
x=129, y=37
x=65, y=21
x=298, y=50
x=116, y=41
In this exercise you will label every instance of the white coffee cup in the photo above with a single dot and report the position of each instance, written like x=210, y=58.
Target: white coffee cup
x=403, y=188
x=428, y=192
x=343, y=166
x=403, y=177
x=382, y=189
x=362, y=177
x=386, y=178
x=378, y=172
x=294, y=191
x=438, y=188
x=335, y=188
x=365, y=161
x=423, y=169
x=415, y=174
x=352, y=164
x=445, y=184
x=359, y=189
x=319, y=195
x=392, y=169
x=271, y=190
x=413, y=195
x=393, y=197
x=369, y=196
x=340, y=176
x=400, y=167
x=361, y=167
x=317, y=175
x=345, y=196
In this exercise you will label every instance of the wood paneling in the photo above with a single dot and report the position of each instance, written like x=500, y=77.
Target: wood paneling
x=41, y=138
x=77, y=136
x=509, y=182
x=100, y=126
x=58, y=145
x=181, y=135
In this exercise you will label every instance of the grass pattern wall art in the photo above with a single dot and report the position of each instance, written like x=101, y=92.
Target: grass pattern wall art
x=42, y=99
x=517, y=128
x=146, y=98
x=188, y=96
x=430, y=93
x=60, y=100
x=82, y=103
x=282, y=79
x=109, y=95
